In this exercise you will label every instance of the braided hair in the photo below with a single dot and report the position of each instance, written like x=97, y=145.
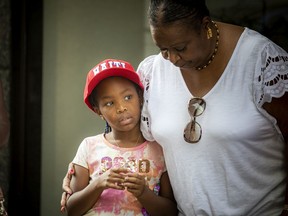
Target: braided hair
x=191, y=12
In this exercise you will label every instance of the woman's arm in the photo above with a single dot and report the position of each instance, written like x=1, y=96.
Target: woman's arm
x=279, y=109
x=76, y=203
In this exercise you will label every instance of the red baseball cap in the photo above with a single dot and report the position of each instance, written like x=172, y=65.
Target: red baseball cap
x=105, y=69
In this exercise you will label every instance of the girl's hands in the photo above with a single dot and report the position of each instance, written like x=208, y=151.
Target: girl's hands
x=117, y=178
x=113, y=178
x=135, y=184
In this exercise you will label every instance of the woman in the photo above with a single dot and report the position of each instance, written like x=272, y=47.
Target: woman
x=222, y=119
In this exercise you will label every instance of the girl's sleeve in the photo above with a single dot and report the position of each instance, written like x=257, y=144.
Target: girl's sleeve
x=81, y=155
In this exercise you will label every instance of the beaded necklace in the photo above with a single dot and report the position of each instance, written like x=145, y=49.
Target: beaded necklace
x=215, y=49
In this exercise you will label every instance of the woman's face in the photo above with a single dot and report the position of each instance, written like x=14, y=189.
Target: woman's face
x=182, y=45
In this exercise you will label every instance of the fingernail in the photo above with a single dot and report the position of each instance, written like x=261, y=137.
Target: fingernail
x=71, y=171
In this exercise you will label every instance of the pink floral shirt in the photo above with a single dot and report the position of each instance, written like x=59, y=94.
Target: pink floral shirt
x=98, y=155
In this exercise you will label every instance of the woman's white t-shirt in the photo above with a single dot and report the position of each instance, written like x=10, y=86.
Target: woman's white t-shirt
x=237, y=168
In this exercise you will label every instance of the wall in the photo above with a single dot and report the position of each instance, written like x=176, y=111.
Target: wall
x=77, y=35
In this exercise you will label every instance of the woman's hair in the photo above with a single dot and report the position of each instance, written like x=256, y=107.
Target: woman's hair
x=191, y=12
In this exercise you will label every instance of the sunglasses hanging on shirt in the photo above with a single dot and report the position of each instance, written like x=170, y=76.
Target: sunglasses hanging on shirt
x=193, y=130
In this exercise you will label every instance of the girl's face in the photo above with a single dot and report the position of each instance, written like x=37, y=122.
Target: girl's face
x=181, y=44
x=119, y=103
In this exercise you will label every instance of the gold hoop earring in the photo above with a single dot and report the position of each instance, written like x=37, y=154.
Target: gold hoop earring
x=209, y=33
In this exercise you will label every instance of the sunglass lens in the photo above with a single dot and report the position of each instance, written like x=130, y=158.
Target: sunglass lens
x=196, y=106
x=192, y=132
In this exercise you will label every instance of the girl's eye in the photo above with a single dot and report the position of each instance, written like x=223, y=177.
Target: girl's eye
x=109, y=104
x=128, y=97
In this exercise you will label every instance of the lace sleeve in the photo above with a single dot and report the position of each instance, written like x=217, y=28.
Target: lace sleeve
x=145, y=72
x=272, y=78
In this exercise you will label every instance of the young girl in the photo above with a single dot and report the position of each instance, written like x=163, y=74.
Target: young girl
x=118, y=172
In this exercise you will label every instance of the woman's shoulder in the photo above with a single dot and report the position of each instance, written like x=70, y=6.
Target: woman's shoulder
x=150, y=63
x=255, y=43
x=144, y=69
x=146, y=63
x=230, y=32
x=229, y=36
x=246, y=40
x=246, y=36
